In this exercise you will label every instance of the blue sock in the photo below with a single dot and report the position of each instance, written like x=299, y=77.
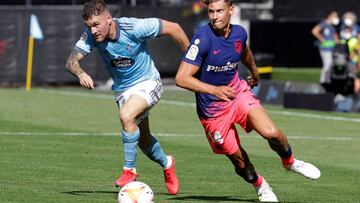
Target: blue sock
x=285, y=154
x=130, y=141
x=155, y=153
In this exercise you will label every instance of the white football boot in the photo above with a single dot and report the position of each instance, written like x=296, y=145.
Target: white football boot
x=265, y=192
x=306, y=169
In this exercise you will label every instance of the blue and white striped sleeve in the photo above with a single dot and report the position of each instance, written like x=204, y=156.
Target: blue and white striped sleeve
x=147, y=28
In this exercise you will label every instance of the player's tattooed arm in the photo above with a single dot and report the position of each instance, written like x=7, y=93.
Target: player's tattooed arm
x=73, y=65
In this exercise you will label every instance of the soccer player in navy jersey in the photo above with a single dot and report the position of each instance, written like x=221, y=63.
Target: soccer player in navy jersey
x=137, y=85
x=209, y=68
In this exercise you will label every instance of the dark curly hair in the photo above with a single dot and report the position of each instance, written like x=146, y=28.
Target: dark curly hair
x=93, y=7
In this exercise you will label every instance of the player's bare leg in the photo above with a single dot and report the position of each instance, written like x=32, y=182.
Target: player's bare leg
x=129, y=112
x=262, y=124
x=245, y=169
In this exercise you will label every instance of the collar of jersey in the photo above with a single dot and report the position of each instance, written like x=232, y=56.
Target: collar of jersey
x=117, y=32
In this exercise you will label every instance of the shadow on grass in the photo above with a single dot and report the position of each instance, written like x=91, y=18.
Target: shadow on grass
x=90, y=192
x=200, y=198
x=218, y=198
x=212, y=198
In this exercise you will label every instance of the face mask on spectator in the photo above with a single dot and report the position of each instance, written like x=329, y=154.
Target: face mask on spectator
x=348, y=22
x=346, y=35
x=335, y=21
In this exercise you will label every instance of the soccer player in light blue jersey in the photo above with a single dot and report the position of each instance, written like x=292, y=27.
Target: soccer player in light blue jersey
x=209, y=68
x=137, y=85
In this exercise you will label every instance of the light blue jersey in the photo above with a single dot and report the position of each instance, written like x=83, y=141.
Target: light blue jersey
x=127, y=57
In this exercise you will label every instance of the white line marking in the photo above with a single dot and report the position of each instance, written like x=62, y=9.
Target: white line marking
x=61, y=133
x=172, y=135
x=192, y=104
x=321, y=117
x=76, y=94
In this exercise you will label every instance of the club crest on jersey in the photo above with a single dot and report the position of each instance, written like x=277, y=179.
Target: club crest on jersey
x=238, y=46
x=130, y=49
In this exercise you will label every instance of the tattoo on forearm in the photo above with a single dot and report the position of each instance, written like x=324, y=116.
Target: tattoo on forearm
x=73, y=64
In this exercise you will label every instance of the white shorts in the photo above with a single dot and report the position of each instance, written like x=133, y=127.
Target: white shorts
x=150, y=90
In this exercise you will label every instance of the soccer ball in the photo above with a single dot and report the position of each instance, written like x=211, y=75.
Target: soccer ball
x=136, y=192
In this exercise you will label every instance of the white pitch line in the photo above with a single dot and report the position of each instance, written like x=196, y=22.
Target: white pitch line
x=321, y=117
x=192, y=104
x=61, y=133
x=76, y=94
x=171, y=135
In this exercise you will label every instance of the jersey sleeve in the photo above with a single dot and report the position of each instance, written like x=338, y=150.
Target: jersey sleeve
x=85, y=44
x=147, y=28
x=244, y=38
x=197, y=51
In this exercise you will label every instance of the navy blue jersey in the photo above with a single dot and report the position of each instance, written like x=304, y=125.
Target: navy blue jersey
x=217, y=58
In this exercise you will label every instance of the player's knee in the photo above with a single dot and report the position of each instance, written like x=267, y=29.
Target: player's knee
x=272, y=133
x=126, y=119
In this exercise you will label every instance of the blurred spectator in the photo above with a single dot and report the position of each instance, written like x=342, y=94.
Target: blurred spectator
x=349, y=27
x=346, y=87
x=200, y=13
x=3, y=45
x=350, y=36
x=354, y=53
x=326, y=33
x=197, y=7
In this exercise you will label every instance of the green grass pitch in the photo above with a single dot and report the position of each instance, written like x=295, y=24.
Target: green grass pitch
x=64, y=145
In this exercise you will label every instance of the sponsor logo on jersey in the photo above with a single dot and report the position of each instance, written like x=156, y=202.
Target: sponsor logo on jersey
x=121, y=62
x=216, y=52
x=228, y=66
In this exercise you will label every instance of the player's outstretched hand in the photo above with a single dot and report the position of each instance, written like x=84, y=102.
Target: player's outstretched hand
x=224, y=93
x=86, y=81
